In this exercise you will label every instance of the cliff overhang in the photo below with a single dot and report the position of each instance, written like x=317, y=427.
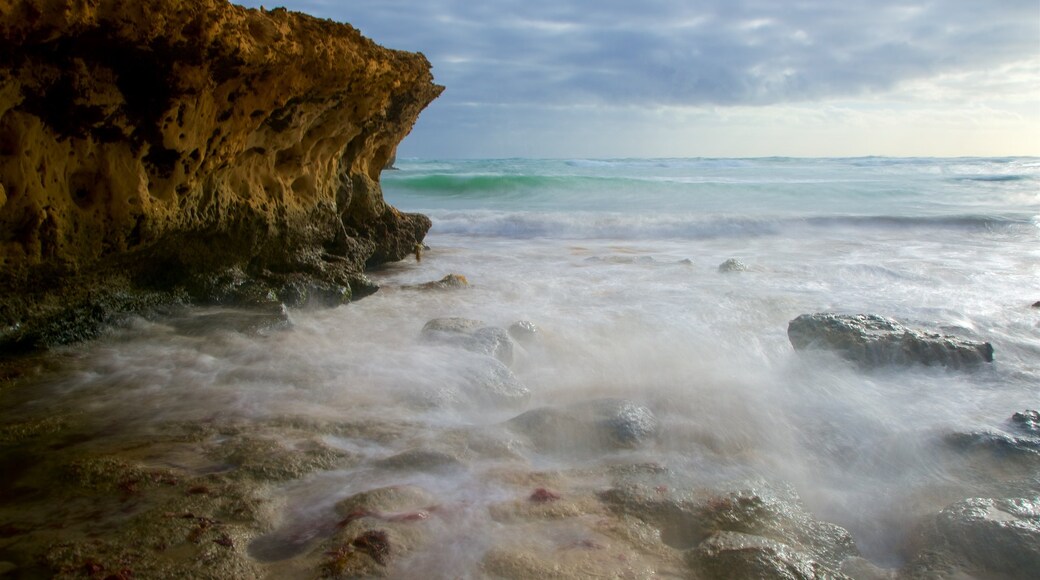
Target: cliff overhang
x=192, y=150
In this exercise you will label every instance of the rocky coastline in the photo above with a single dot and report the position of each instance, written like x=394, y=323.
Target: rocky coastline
x=192, y=152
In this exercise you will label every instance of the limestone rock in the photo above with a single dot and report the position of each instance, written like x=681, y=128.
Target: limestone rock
x=449, y=282
x=492, y=383
x=732, y=265
x=739, y=555
x=523, y=331
x=1027, y=421
x=687, y=518
x=599, y=425
x=983, y=536
x=471, y=335
x=872, y=340
x=166, y=139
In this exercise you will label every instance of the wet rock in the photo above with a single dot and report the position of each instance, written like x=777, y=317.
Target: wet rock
x=261, y=152
x=378, y=527
x=737, y=555
x=421, y=460
x=270, y=460
x=996, y=442
x=872, y=341
x=983, y=536
x=471, y=335
x=1036, y=304
x=603, y=424
x=391, y=499
x=1020, y=441
x=524, y=332
x=863, y=569
x=771, y=511
x=732, y=265
x=449, y=282
x=259, y=321
x=1027, y=421
x=491, y=382
x=304, y=292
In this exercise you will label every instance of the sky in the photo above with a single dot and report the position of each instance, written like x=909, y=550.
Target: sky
x=715, y=78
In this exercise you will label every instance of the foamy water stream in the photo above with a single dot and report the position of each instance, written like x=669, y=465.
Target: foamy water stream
x=645, y=318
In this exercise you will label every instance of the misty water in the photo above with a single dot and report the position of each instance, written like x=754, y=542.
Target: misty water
x=616, y=264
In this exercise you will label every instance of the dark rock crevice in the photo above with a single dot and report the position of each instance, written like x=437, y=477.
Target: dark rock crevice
x=158, y=147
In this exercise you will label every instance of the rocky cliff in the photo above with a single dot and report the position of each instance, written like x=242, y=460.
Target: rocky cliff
x=192, y=148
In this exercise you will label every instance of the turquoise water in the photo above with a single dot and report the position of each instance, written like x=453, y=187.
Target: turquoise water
x=617, y=263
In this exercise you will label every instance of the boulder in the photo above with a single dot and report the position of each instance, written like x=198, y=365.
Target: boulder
x=604, y=424
x=421, y=460
x=523, y=331
x=1027, y=422
x=471, y=335
x=492, y=383
x=871, y=341
x=732, y=265
x=727, y=555
x=982, y=537
x=761, y=511
x=449, y=282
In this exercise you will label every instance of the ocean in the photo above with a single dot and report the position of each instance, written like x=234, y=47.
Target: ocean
x=616, y=263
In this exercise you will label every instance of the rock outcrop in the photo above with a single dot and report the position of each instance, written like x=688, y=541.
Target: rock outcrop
x=872, y=340
x=153, y=146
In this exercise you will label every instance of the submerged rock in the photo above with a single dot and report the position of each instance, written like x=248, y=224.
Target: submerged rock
x=449, y=282
x=728, y=555
x=1027, y=421
x=524, y=332
x=421, y=460
x=982, y=537
x=872, y=341
x=766, y=512
x=256, y=321
x=471, y=335
x=1022, y=440
x=603, y=424
x=492, y=383
x=732, y=265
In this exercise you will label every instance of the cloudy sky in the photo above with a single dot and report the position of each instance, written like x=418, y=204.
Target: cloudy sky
x=674, y=78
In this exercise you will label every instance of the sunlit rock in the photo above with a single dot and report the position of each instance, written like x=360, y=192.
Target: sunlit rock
x=872, y=341
x=145, y=144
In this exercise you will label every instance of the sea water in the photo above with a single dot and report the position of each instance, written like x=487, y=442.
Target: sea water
x=617, y=264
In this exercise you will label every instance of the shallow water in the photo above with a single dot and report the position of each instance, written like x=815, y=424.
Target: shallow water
x=616, y=263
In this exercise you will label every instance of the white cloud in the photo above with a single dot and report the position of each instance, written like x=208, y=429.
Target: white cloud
x=764, y=62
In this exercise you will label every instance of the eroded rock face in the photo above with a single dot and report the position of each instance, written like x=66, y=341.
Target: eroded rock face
x=872, y=340
x=168, y=139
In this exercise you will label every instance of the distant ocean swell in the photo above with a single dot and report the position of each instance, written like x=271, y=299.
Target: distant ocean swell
x=492, y=184
x=600, y=225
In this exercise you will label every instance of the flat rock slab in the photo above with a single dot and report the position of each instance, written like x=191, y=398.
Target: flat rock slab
x=873, y=341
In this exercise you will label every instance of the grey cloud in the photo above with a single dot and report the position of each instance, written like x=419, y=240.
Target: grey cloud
x=555, y=53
